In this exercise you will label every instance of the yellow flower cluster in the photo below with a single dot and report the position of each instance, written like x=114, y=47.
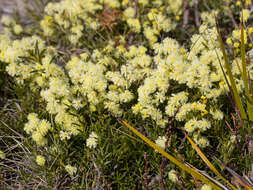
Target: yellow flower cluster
x=92, y=140
x=11, y=50
x=173, y=176
x=158, y=79
x=73, y=18
x=37, y=128
x=206, y=187
x=40, y=160
x=71, y=170
x=11, y=25
x=70, y=15
x=161, y=142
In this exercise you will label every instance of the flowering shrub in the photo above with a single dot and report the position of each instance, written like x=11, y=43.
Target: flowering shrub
x=90, y=67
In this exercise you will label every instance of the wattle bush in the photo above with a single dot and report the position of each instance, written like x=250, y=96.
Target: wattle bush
x=90, y=62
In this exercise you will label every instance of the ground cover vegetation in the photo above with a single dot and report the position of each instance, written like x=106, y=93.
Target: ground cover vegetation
x=78, y=78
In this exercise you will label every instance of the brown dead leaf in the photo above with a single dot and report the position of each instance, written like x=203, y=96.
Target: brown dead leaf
x=109, y=18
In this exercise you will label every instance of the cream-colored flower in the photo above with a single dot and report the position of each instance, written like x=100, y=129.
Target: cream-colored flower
x=246, y=15
x=134, y=24
x=91, y=142
x=129, y=12
x=173, y=176
x=71, y=170
x=2, y=155
x=40, y=160
x=17, y=29
x=206, y=187
x=161, y=141
x=64, y=135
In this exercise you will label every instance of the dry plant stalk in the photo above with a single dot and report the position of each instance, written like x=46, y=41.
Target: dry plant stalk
x=109, y=18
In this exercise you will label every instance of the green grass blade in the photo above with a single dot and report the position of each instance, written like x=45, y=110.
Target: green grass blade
x=238, y=66
x=208, y=163
x=180, y=164
x=244, y=74
x=230, y=76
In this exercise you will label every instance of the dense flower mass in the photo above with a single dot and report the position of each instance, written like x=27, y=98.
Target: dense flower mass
x=115, y=75
x=121, y=59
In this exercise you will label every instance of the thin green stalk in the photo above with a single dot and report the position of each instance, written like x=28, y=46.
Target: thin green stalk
x=232, y=81
x=245, y=76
